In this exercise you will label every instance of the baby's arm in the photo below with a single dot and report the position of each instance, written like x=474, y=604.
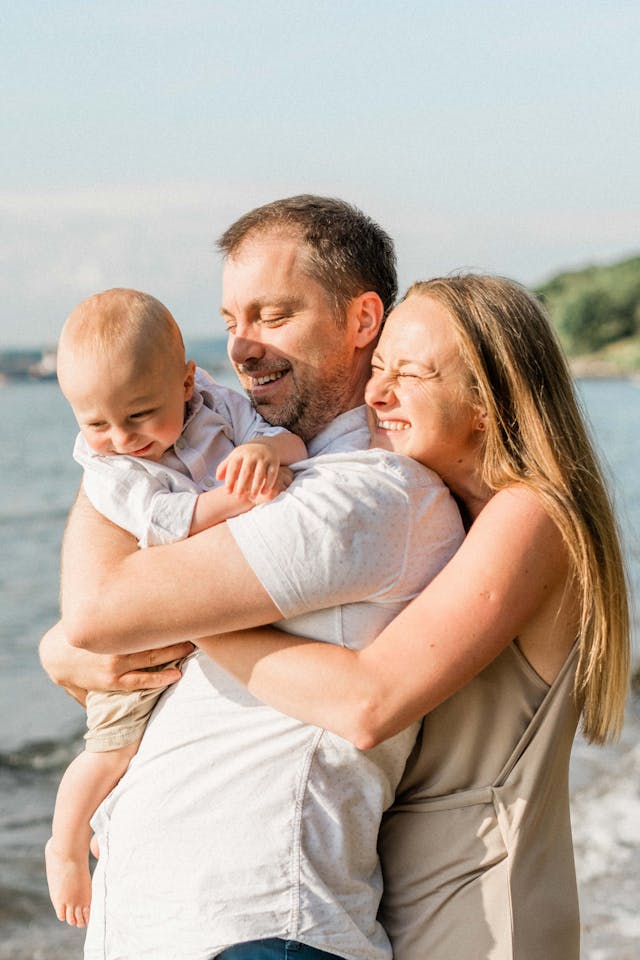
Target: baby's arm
x=86, y=782
x=216, y=506
x=253, y=473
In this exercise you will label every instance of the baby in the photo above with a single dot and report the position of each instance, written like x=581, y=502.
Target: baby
x=156, y=436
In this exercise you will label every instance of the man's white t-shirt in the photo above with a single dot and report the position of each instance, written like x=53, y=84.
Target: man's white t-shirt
x=235, y=822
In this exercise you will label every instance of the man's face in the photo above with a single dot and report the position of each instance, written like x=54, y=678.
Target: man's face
x=290, y=352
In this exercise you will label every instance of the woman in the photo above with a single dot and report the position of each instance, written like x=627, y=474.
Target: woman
x=523, y=632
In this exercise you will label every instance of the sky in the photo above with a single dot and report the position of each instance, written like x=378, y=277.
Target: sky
x=498, y=136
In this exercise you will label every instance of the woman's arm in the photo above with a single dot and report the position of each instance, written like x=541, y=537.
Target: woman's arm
x=507, y=580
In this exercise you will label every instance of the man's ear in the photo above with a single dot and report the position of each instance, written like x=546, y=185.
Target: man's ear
x=189, y=378
x=366, y=312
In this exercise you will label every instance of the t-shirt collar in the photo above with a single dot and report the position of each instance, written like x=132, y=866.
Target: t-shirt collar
x=348, y=431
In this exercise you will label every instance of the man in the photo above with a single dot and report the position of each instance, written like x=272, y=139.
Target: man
x=235, y=824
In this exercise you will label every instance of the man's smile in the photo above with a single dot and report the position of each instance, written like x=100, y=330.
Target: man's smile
x=262, y=383
x=268, y=378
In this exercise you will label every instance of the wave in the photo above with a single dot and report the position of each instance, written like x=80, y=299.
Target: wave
x=43, y=756
x=34, y=517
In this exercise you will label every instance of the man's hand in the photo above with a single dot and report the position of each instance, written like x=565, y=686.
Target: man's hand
x=79, y=670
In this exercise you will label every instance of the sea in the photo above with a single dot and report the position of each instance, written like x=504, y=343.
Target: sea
x=41, y=728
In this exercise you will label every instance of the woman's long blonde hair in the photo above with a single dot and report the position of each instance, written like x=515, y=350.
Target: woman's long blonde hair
x=535, y=435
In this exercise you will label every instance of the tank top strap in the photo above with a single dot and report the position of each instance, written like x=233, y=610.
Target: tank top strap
x=551, y=727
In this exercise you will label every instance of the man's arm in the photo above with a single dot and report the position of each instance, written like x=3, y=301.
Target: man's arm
x=118, y=599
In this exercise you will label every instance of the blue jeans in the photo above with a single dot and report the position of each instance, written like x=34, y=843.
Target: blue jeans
x=275, y=949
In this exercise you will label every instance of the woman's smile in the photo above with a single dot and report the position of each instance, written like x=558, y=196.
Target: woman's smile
x=392, y=425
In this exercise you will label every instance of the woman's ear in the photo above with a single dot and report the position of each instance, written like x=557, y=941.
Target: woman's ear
x=366, y=312
x=480, y=420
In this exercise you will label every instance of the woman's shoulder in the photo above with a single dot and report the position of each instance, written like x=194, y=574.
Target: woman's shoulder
x=518, y=502
x=518, y=519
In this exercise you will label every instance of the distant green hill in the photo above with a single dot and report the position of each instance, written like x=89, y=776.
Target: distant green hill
x=597, y=314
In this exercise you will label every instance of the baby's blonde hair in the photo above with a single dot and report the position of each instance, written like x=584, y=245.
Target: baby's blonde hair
x=121, y=320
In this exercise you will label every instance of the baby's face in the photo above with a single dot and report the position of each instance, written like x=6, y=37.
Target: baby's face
x=124, y=407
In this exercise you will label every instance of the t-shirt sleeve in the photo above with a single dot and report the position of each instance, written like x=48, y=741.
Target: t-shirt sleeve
x=340, y=534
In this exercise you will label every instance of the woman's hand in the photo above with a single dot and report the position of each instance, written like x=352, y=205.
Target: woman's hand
x=79, y=670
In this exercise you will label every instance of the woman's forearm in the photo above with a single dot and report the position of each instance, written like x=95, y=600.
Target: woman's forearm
x=317, y=683
x=356, y=694
x=512, y=566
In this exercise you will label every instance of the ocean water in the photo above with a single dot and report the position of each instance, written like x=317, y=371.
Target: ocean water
x=41, y=728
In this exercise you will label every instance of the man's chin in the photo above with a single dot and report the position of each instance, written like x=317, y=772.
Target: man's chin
x=277, y=414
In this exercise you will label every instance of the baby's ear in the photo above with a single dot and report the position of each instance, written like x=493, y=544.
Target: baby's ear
x=189, y=377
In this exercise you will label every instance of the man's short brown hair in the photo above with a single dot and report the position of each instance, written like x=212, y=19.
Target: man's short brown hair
x=348, y=253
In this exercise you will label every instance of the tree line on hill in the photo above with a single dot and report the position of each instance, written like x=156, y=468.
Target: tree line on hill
x=595, y=307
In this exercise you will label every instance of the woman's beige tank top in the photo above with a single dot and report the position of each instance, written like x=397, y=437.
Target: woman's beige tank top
x=477, y=852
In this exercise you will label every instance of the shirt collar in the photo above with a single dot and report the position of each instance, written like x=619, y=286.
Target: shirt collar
x=192, y=406
x=347, y=432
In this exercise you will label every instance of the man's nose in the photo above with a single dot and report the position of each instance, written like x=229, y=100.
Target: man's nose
x=245, y=345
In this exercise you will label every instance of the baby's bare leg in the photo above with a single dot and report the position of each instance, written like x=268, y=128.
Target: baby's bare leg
x=85, y=784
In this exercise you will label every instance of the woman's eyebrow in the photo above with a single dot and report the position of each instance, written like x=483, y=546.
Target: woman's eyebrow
x=403, y=362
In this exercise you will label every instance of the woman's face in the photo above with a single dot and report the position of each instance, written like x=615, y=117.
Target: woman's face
x=419, y=396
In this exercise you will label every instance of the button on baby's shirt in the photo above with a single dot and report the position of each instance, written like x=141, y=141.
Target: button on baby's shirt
x=208, y=483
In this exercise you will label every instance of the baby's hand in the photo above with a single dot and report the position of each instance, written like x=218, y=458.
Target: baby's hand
x=283, y=479
x=251, y=470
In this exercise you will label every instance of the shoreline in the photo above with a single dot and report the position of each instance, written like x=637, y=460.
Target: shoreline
x=592, y=368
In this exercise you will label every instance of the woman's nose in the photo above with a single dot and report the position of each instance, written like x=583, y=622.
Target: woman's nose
x=378, y=391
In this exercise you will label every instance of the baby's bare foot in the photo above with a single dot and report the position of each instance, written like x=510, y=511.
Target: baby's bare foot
x=69, y=885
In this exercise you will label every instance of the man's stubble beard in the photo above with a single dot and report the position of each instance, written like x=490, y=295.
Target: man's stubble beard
x=310, y=407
